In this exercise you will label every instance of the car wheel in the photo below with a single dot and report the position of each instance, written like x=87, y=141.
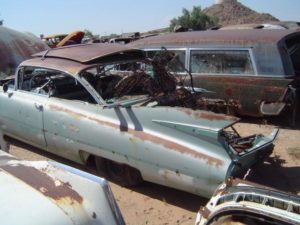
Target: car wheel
x=101, y=166
x=123, y=174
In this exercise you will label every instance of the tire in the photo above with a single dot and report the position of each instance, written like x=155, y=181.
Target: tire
x=4, y=145
x=101, y=167
x=294, y=115
x=119, y=173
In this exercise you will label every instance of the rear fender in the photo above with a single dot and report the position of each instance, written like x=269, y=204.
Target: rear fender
x=262, y=149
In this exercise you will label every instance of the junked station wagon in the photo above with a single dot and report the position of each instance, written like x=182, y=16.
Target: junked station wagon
x=246, y=72
x=60, y=102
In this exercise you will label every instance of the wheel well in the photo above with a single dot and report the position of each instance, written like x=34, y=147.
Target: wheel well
x=90, y=162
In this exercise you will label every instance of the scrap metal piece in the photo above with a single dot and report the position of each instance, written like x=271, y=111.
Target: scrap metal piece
x=242, y=202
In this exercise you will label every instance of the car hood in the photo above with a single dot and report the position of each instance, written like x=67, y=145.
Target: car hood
x=31, y=190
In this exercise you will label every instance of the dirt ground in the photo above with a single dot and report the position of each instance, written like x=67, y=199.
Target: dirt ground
x=155, y=204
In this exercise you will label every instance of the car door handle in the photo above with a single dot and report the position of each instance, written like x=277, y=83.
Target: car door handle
x=38, y=106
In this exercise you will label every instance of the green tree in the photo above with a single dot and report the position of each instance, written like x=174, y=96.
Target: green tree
x=194, y=20
x=88, y=33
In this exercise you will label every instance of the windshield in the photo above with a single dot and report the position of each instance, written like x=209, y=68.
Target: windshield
x=142, y=82
x=117, y=82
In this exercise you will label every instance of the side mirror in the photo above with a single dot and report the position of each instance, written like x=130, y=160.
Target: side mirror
x=5, y=88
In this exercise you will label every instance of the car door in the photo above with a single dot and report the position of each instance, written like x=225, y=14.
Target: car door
x=75, y=125
x=22, y=113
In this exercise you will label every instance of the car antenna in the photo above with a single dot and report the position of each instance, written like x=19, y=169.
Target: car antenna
x=45, y=54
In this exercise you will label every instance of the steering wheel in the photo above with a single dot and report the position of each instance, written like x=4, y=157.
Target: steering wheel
x=41, y=87
x=33, y=80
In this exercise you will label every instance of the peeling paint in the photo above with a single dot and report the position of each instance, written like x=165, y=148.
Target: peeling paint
x=43, y=183
x=144, y=136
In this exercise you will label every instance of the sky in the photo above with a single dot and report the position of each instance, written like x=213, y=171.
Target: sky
x=116, y=16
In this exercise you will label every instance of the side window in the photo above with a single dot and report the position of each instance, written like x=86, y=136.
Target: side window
x=221, y=62
x=177, y=64
x=32, y=79
x=52, y=83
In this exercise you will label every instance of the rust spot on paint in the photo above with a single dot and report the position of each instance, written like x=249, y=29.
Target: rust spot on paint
x=229, y=92
x=176, y=147
x=275, y=90
x=166, y=143
x=204, y=212
x=207, y=115
x=74, y=114
x=217, y=117
x=158, y=140
x=43, y=183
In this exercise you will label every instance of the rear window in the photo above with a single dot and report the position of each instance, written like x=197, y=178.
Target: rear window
x=221, y=62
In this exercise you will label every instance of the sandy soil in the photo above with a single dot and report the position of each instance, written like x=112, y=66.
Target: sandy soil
x=155, y=204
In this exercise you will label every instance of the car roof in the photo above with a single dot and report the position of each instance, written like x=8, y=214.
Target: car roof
x=229, y=37
x=74, y=58
x=87, y=53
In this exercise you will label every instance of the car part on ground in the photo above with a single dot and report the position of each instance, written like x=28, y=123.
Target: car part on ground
x=245, y=203
x=59, y=103
x=41, y=192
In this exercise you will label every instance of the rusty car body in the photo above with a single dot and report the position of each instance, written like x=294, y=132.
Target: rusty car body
x=16, y=47
x=248, y=72
x=59, y=102
x=46, y=192
x=53, y=40
x=244, y=203
x=60, y=40
x=282, y=25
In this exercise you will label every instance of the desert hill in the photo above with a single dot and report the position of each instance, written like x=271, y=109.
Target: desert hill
x=232, y=12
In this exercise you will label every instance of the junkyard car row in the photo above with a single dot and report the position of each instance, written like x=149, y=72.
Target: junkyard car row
x=135, y=113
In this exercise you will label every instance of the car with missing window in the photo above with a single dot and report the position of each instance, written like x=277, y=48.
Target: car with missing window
x=71, y=102
x=247, y=72
x=240, y=202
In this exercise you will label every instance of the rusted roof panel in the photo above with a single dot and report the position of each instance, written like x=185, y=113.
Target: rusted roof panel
x=68, y=66
x=88, y=53
x=216, y=37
